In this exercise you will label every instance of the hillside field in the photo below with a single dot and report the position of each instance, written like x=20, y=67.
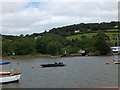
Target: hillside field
x=111, y=33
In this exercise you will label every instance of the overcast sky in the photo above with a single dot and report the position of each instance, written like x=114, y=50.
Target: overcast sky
x=35, y=17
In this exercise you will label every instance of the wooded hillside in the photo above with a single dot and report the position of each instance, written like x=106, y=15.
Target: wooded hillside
x=94, y=38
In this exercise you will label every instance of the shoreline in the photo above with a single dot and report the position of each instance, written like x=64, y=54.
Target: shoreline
x=25, y=56
x=44, y=56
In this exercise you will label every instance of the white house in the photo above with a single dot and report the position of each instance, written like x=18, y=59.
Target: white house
x=37, y=37
x=77, y=31
x=116, y=26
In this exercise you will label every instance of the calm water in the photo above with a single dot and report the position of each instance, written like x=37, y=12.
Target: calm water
x=79, y=72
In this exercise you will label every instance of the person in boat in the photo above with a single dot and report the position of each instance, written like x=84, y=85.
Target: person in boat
x=61, y=63
x=56, y=63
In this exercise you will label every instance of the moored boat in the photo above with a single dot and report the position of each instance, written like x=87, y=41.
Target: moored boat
x=9, y=76
x=60, y=64
x=117, y=61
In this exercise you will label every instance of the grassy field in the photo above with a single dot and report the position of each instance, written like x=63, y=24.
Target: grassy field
x=88, y=35
x=111, y=33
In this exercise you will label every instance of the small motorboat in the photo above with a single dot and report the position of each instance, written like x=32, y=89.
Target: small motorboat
x=60, y=64
x=9, y=76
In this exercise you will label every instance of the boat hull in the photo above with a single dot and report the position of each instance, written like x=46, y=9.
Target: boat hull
x=52, y=65
x=10, y=79
x=116, y=62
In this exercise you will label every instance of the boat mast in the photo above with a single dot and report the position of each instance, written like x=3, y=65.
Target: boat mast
x=10, y=67
x=118, y=43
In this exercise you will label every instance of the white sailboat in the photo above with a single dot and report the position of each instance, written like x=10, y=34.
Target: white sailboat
x=117, y=58
x=9, y=76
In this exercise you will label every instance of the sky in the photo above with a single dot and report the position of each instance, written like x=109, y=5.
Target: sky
x=28, y=17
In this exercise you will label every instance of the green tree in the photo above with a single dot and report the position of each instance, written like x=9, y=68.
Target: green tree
x=23, y=46
x=6, y=43
x=54, y=48
x=48, y=42
x=101, y=45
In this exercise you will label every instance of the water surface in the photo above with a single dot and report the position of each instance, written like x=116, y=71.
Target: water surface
x=79, y=72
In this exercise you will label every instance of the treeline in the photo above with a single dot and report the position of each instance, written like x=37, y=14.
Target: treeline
x=49, y=43
x=54, y=42
x=79, y=29
x=84, y=28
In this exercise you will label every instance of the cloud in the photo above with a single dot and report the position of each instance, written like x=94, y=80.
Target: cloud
x=13, y=7
x=31, y=17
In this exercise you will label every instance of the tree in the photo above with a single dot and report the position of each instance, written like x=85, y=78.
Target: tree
x=6, y=46
x=69, y=49
x=101, y=45
x=54, y=48
x=23, y=46
x=49, y=44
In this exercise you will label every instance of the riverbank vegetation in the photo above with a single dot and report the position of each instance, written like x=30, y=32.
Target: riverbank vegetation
x=94, y=38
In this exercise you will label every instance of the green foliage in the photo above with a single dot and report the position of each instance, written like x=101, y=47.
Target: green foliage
x=6, y=47
x=69, y=49
x=49, y=43
x=54, y=48
x=98, y=44
x=83, y=28
x=61, y=39
x=21, y=46
x=102, y=35
x=101, y=45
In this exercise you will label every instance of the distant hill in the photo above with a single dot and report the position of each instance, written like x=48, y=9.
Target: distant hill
x=67, y=38
x=84, y=28
x=75, y=29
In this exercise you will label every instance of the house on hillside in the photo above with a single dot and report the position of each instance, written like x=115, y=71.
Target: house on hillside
x=116, y=26
x=37, y=37
x=77, y=31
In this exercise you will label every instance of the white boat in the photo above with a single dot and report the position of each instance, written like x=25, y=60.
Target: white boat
x=116, y=62
x=117, y=59
x=12, y=76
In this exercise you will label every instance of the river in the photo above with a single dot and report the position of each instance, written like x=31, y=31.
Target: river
x=79, y=72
